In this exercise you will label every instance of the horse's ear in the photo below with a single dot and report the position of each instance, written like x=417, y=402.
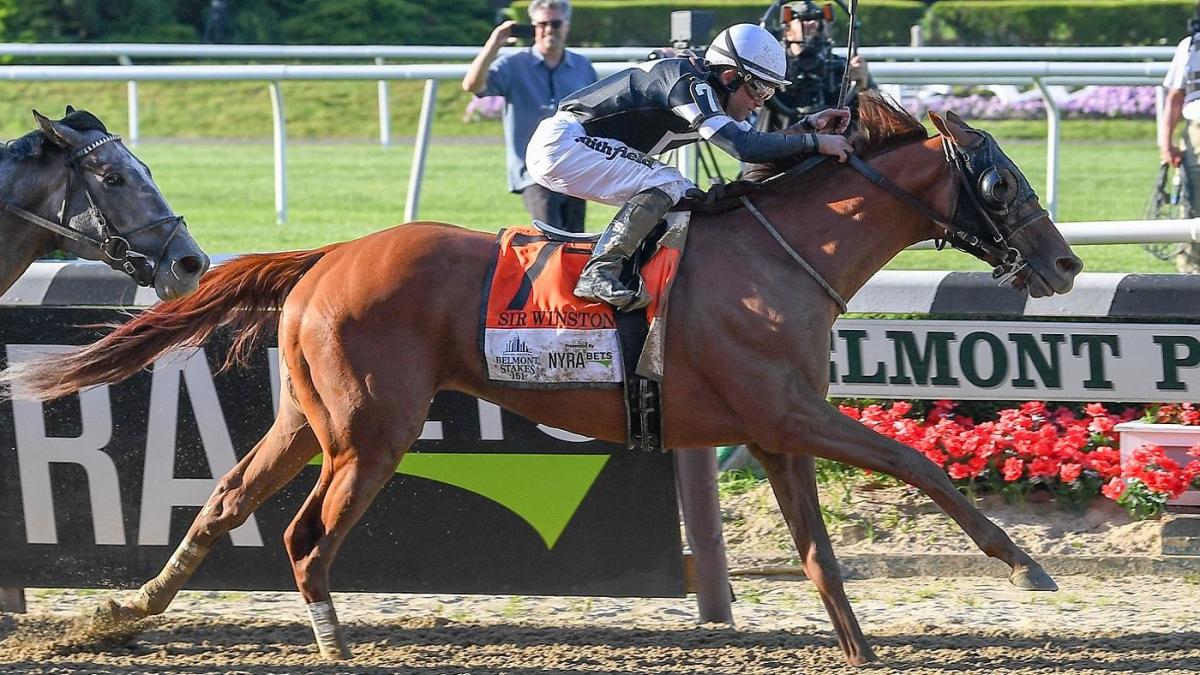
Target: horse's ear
x=953, y=117
x=938, y=122
x=70, y=109
x=955, y=129
x=60, y=134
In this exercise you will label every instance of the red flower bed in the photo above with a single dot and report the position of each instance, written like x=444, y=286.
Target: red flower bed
x=1073, y=456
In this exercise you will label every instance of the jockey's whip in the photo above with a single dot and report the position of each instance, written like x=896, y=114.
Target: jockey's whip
x=851, y=50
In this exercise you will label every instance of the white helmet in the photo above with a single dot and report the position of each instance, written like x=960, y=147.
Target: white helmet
x=752, y=50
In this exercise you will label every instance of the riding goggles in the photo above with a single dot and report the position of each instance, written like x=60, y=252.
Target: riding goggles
x=760, y=89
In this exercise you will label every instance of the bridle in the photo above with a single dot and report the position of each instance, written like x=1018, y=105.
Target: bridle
x=113, y=246
x=981, y=177
x=979, y=184
x=989, y=193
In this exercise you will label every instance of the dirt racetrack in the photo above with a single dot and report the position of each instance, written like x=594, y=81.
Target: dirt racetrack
x=438, y=648
x=917, y=625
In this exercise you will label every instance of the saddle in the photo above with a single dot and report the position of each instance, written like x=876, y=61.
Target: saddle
x=535, y=333
x=554, y=234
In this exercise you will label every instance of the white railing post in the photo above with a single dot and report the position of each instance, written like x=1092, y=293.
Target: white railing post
x=131, y=95
x=385, y=120
x=1052, y=136
x=12, y=600
x=413, y=200
x=280, y=138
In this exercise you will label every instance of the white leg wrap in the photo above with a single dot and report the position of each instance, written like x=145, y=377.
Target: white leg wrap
x=326, y=629
x=154, y=596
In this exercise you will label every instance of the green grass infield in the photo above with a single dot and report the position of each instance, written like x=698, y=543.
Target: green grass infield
x=209, y=146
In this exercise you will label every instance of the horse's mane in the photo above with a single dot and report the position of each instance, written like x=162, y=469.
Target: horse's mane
x=30, y=145
x=881, y=124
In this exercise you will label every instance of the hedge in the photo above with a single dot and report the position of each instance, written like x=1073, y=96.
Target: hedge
x=887, y=22
x=1056, y=22
x=285, y=21
x=648, y=22
x=596, y=22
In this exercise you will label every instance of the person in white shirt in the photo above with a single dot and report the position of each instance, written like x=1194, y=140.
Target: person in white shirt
x=1183, y=103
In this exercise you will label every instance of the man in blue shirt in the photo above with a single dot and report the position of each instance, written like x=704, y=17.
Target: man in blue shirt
x=532, y=82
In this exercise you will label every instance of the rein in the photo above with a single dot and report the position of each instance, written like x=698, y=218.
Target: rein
x=114, y=248
x=952, y=232
x=1008, y=261
x=794, y=254
x=851, y=49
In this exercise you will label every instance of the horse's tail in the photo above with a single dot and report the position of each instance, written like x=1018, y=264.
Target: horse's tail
x=242, y=294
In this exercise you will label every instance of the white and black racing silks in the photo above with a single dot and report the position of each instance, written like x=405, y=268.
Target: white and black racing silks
x=661, y=105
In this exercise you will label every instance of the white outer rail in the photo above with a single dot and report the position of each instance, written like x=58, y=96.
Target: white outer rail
x=124, y=52
x=1040, y=73
x=919, y=72
x=467, y=53
x=1085, y=233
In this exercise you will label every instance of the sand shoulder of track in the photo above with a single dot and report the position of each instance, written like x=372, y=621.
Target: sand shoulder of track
x=916, y=625
x=901, y=520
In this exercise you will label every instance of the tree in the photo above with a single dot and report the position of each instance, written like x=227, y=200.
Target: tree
x=386, y=21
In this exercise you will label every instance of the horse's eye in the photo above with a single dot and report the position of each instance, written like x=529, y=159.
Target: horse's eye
x=996, y=188
x=113, y=179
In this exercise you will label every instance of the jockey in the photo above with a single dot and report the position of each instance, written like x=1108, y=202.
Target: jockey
x=598, y=144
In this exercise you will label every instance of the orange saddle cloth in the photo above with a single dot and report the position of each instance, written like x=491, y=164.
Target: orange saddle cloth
x=536, y=333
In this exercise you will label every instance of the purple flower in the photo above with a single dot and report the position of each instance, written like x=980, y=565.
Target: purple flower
x=1089, y=102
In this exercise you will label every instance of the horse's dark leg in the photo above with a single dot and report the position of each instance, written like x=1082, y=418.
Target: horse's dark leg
x=270, y=465
x=364, y=430
x=793, y=478
x=803, y=422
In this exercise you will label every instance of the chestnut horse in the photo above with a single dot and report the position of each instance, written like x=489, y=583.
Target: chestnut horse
x=369, y=330
x=71, y=185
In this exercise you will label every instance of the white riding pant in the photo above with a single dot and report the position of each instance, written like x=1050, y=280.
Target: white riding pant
x=562, y=157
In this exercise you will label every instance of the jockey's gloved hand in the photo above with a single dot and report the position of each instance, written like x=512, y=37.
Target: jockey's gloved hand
x=831, y=121
x=700, y=198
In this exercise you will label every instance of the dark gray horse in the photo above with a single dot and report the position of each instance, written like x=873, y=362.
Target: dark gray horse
x=73, y=186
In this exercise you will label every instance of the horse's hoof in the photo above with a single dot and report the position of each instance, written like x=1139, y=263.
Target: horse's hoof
x=112, y=613
x=1032, y=578
x=339, y=652
x=861, y=657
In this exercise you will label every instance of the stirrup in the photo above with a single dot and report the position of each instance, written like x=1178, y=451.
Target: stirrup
x=613, y=293
x=640, y=300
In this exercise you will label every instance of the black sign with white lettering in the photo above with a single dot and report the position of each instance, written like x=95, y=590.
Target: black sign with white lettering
x=97, y=489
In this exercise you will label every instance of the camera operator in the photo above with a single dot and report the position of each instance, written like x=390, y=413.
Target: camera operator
x=814, y=72
x=532, y=82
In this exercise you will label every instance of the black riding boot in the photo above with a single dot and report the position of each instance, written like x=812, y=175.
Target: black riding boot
x=601, y=278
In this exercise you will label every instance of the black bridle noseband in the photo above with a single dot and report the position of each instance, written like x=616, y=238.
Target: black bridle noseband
x=113, y=246
x=991, y=186
x=996, y=195
x=988, y=191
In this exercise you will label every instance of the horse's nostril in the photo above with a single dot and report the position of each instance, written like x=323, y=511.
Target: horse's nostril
x=189, y=265
x=1070, y=265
